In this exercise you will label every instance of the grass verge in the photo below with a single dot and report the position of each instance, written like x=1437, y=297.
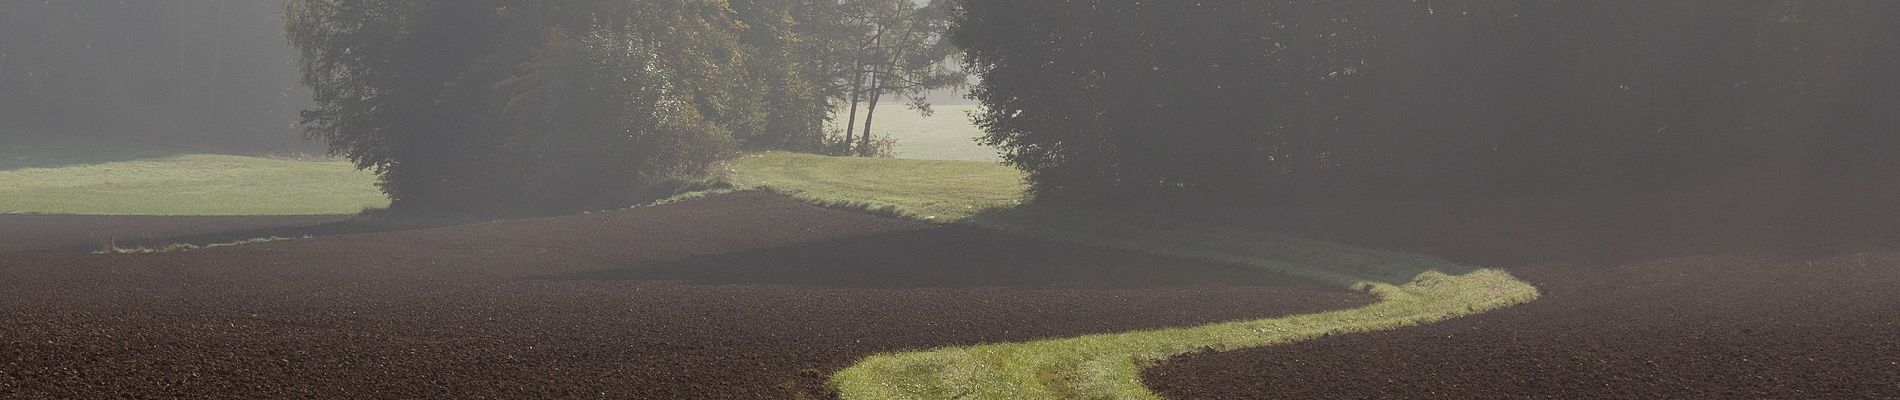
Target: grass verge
x=1413, y=289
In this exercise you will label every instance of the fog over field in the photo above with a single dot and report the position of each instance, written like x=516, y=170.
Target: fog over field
x=949, y=199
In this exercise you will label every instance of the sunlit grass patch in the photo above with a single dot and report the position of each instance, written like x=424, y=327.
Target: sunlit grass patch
x=1413, y=289
x=926, y=190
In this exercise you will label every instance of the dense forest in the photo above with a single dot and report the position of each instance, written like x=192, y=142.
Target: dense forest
x=572, y=105
x=190, y=73
x=1125, y=100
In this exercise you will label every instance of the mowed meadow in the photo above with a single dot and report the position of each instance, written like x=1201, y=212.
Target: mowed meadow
x=117, y=177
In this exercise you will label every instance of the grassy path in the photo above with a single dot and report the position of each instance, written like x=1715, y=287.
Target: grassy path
x=1413, y=289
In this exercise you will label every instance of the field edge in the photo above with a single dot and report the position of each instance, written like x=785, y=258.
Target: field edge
x=1413, y=289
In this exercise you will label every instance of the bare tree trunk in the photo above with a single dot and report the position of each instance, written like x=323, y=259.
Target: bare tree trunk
x=878, y=81
x=857, y=82
x=877, y=92
x=857, y=86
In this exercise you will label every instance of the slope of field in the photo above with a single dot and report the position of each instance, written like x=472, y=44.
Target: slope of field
x=191, y=185
x=75, y=176
x=746, y=295
x=1698, y=297
x=20, y=150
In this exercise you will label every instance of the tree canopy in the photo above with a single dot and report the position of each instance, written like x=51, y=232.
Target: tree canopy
x=540, y=105
x=1121, y=100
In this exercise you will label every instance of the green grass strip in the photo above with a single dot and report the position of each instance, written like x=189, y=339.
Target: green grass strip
x=1413, y=289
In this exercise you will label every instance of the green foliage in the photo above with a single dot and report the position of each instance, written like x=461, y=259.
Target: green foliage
x=538, y=106
x=862, y=50
x=779, y=75
x=906, y=54
x=1121, y=100
x=525, y=106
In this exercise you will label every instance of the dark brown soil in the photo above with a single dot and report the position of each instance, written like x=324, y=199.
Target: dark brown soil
x=738, y=296
x=1662, y=297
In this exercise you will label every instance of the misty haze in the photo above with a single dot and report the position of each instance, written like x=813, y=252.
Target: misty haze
x=949, y=199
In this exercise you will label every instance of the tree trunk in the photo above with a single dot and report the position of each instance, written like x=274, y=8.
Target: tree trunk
x=857, y=86
x=877, y=92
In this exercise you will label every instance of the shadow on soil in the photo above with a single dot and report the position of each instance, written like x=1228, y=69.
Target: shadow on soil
x=945, y=257
x=1601, y=230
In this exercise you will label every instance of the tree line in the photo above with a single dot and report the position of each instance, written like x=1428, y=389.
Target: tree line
x=540, y=105
x=1256, y=100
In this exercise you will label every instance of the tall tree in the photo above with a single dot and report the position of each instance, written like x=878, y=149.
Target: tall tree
x=850, y=44
x=522, y=105
x=1127, y=100
x=909, y=56
x=778, y=76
